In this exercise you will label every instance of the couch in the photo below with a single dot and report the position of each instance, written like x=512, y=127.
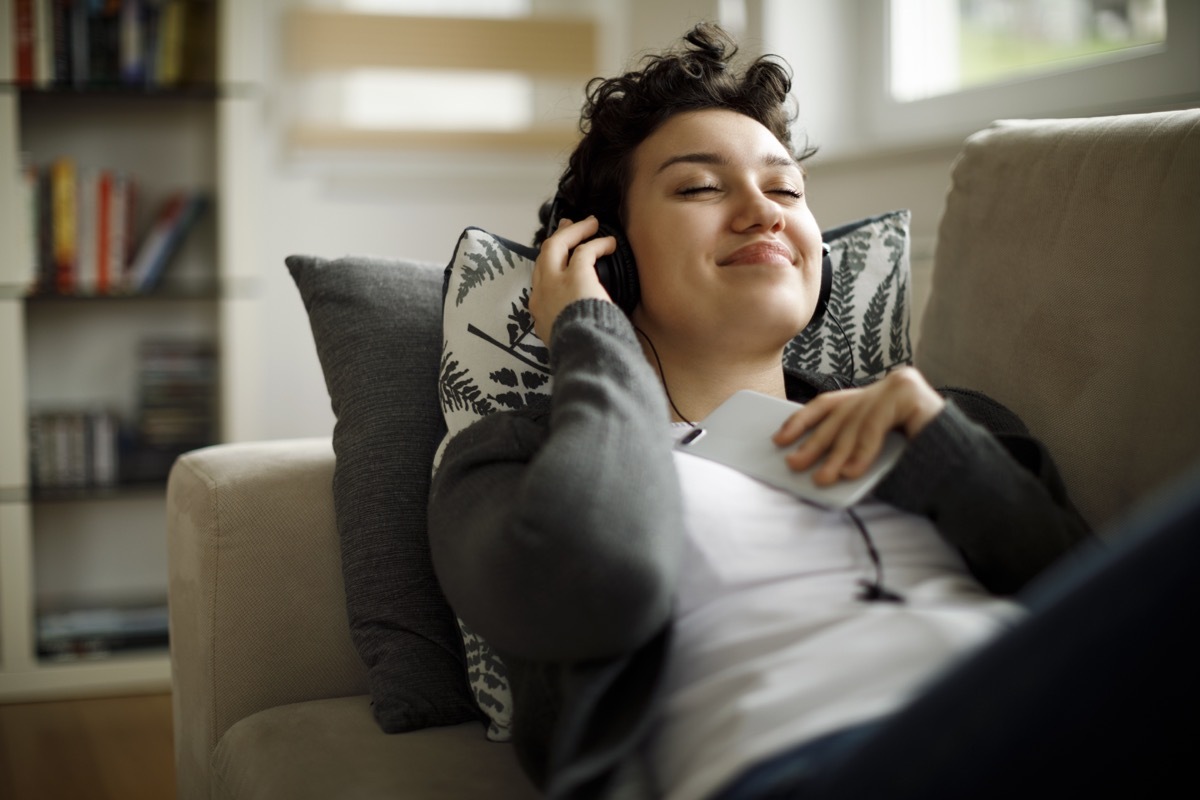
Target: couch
x=1065, y=285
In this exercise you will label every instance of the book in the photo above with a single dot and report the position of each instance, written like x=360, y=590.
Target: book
x=111, y=230
x=29, y=208
x=60, y=23
x=81, y=59
x=43, y=74
x=105, y=203
x=87, y=190
x=132, y=45
x=172, y=17
x=24, y=41
x=45, y=232
x=174, y=219
x=63, y=223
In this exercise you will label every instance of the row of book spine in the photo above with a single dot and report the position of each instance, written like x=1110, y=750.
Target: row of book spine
x=95, y=632
x=74, y=449
x=137, y=43
x=80, y=232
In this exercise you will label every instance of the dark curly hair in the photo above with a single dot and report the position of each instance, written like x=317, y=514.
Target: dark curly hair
x=620, y=113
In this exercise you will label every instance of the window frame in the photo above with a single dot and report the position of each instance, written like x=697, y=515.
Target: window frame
x=1112, y=84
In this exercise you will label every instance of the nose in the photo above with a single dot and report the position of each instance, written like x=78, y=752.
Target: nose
x=757, y=210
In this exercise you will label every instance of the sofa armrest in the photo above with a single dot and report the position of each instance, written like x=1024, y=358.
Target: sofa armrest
x=257, y=602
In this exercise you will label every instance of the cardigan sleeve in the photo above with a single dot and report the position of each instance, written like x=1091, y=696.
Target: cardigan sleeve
x=556, y=535
x=991, y=489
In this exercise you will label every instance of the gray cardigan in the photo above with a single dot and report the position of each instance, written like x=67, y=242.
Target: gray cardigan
x=557, y=532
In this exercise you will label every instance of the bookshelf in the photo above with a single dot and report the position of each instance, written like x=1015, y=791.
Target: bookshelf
x=103, y=380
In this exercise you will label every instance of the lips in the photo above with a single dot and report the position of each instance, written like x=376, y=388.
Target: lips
x=760, y=253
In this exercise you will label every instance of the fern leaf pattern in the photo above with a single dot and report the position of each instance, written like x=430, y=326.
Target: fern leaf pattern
x=841, y=305
x=488, y=678
x=870, y=350
x=805, y=351
x=485, y=266
x=458, y=389
x=900, y=347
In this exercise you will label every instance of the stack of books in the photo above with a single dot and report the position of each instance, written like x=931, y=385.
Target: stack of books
x=177, y=405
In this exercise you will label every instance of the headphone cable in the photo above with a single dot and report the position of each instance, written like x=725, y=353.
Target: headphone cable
x=873, y=591
x=662, y=377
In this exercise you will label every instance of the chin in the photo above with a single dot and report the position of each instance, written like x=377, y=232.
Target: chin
x=768, y=329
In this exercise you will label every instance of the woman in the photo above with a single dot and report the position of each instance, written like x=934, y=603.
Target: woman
x=671, y=627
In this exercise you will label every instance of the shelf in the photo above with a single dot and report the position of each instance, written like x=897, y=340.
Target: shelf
x=199, y=92
x=136, y=297
x=107, y=675
x=225, y=291
x=123, y=491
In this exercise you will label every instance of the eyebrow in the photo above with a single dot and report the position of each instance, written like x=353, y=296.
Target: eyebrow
x=716, y=159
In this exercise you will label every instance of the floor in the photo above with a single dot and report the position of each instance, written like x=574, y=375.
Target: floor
x=95, y=749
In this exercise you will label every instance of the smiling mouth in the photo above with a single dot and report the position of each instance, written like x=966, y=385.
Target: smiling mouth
x=759, y=253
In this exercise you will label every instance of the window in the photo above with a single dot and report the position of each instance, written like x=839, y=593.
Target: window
x=948, y=67
x=943, y=46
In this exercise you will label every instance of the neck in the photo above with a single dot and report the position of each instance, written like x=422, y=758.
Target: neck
x=697, y=381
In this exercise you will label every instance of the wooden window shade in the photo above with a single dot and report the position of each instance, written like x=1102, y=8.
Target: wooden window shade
x=320, y=40
x=331, y=42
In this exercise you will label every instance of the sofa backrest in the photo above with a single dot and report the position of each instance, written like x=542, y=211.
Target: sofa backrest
x=1066, y=285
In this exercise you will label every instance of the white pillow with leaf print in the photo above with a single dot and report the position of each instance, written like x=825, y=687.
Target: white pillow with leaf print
x=491, y=361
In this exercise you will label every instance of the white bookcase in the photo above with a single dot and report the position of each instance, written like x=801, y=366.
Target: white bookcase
x=90, y=549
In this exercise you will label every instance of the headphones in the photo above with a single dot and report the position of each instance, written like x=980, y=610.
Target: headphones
x=619, y=277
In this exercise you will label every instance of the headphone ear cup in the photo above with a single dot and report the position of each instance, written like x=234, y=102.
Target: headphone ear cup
x=825, y=290
x=618, y=272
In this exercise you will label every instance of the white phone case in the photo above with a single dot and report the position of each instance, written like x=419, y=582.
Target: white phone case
x=738, y=434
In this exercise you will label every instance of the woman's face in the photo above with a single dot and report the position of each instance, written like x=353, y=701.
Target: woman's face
x=727, y=249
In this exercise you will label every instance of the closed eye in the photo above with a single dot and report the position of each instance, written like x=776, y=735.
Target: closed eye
x=697, y=190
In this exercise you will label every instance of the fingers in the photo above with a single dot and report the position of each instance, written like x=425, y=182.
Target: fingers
x=844, y=431
x=565, y=271
x=558, y=246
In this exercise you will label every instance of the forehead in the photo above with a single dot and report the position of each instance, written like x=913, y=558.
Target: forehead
x=705, y=136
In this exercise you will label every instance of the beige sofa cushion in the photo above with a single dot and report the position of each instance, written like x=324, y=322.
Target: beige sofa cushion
x=333, y=749
x=1066, y=285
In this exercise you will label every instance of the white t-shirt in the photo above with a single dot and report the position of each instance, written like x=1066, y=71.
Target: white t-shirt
x=772, y=648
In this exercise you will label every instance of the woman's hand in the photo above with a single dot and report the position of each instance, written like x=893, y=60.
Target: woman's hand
x=565, y=271
x=848, y=426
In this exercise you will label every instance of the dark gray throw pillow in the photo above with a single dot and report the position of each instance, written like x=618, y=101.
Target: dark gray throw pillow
x=377, y=325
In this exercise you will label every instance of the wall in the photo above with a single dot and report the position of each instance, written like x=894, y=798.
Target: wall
x=416, y=207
